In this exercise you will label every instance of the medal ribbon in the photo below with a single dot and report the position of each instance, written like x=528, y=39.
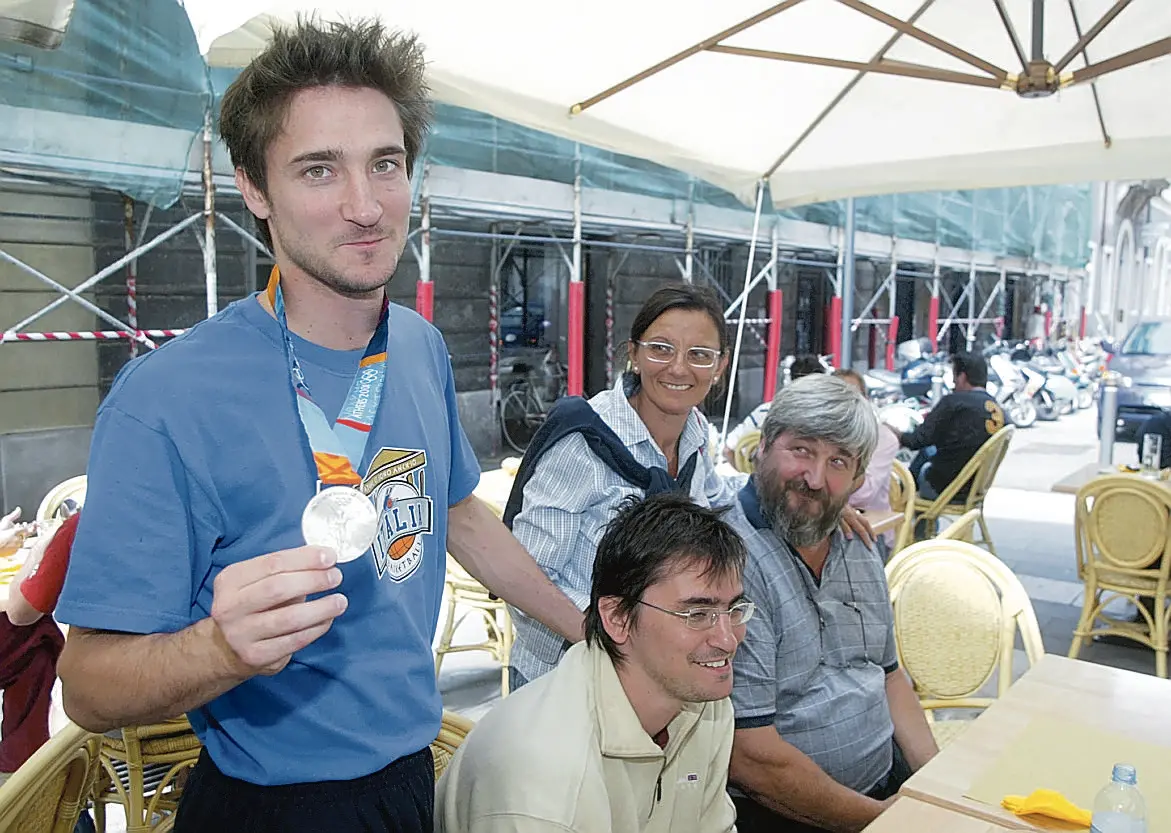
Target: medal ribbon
x=337, y=449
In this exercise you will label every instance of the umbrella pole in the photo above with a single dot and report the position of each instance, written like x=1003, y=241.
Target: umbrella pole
x=743, y=312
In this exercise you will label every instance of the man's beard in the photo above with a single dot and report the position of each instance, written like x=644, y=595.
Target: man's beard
x=318, y=267
x=795, y=526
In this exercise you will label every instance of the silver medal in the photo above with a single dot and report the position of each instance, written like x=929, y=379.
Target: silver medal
x=342, y=519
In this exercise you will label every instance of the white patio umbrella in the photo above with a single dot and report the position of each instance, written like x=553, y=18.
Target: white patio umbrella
x=823, y=98
x=820, y=99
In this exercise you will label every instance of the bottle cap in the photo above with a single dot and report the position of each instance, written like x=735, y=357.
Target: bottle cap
x=1125, y=773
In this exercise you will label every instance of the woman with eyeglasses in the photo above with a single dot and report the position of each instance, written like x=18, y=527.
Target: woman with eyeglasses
x=643, y=435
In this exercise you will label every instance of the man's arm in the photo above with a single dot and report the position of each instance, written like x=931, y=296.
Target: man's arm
x=785, y=780
x=483, y=545
x=259, y=618
x=912, y=732
x=924, y=435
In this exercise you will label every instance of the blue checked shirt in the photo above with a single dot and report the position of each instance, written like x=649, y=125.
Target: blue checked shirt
x=572, y=496
x=814, y=659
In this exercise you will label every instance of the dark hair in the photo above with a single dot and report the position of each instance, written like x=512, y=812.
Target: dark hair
x=646, y=539
x=358, y=54
x=971, y=365
x=805, y=365
x=684, y=296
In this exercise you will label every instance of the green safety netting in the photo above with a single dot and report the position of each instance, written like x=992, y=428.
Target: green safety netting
x=129, y=80
x=116, y=105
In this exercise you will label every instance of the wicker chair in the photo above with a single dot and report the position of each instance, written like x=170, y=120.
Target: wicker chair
x=980, y=471
x=1123, y=529
x=143, y=768
x=961, y=528
x=472, y=598
x=72, y=489
x=902, y=499
x=745, y=448
x=47, y=794
x=452, y=732
x=957, y=610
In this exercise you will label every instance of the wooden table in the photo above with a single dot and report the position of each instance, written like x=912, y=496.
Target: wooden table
x=1072, y=483
x=1122, y=702
x=909, y=815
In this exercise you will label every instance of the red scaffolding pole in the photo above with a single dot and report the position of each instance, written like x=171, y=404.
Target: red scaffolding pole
x=772, y=355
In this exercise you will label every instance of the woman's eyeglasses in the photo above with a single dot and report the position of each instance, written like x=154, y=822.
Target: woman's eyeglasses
x=661, y=352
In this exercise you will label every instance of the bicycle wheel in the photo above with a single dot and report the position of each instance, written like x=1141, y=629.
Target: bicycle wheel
x=520, y=418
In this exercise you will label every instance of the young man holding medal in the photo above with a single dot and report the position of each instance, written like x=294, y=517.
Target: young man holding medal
x=272, y=494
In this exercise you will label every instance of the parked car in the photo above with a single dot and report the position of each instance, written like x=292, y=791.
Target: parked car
x=522, y=328
x=1144, y=360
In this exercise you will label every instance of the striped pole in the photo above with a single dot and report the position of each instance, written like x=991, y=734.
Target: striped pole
x=90, y=335
x=131, y=273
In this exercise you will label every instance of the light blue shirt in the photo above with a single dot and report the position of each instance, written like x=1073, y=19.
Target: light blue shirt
x=199, y=461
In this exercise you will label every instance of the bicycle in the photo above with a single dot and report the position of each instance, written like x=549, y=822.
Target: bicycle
x=525, y=405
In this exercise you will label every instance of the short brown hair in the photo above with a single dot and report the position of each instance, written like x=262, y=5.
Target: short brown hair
x=851, y=375
x=352, y=54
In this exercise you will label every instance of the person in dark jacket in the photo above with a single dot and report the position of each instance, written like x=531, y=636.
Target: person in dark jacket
x=955, y=429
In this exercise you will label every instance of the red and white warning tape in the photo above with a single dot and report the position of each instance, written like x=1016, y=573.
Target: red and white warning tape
x=92, y=335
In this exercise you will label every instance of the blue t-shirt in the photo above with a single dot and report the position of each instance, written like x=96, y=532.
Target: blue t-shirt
x=199, y=460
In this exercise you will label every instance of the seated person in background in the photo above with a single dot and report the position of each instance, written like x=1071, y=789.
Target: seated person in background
x=632, y=731
x=30, y=643
x=874, y=493
x=805, y=365
x=827, y=724
x=956, y=428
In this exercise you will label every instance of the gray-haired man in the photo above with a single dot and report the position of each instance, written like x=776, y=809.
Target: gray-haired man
x=827, y=724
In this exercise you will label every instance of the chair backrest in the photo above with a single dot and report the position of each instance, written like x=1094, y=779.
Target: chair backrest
x=46, y=795
x=72, y=489
x=745, y=448
x=960, y=528
x=957, y=610
x=1123, y=528
x=902, y=499
x=980, y=471
x=452, y=732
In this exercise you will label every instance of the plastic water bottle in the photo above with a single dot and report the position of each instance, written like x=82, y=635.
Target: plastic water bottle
x=1119, y=807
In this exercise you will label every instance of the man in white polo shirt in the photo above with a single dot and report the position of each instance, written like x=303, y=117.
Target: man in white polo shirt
x=632, y=731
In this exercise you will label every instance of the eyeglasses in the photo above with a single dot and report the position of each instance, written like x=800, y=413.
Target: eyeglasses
x=661, y=352
x=705, y=618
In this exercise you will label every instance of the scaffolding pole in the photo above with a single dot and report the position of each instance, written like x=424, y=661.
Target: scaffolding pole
x=209, y=261
x=424, y=288
x=772, y=353
x=67, y=294
x=576, y=292
x=846, y=356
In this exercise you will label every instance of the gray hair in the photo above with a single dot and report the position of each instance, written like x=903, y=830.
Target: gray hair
x=826, y=408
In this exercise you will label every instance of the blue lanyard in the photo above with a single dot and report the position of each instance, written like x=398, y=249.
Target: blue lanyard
x=338, y=448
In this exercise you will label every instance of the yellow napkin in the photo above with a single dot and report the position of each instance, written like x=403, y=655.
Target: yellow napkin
x=1049, y=803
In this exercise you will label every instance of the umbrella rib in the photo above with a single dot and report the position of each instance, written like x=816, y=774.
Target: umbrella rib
x=845, y=91
x=1012, y=35
x=918, y=34
x=681, y=56
x=1157, y=49
x=1077, y=27
x=902, y=68
x=1095, y=30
